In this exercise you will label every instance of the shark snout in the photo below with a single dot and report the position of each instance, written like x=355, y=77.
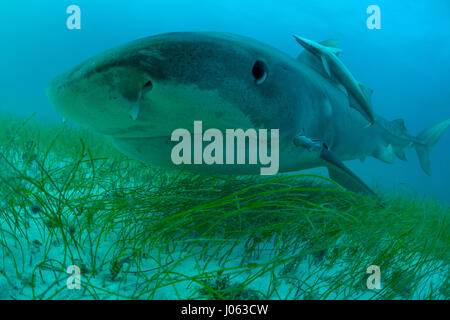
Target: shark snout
x=77, y=99
x=105, y=97
x=57, y=92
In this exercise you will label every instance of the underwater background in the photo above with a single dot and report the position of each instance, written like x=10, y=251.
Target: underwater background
x=407, y=64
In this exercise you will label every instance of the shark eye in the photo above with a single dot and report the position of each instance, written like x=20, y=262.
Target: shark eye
x=259, y=72
x=148, y=86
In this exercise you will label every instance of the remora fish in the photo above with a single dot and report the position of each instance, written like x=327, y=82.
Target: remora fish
x=139, y=93
x=327, y=52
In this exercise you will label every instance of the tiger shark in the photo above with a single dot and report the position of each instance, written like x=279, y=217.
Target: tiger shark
x=140, y=92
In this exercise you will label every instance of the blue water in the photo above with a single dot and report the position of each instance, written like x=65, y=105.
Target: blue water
x=406, y=62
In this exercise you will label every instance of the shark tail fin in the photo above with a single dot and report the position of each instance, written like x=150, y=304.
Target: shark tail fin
x=426, y=140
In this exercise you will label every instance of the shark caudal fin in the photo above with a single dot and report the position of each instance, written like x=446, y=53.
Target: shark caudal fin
x=426, y=140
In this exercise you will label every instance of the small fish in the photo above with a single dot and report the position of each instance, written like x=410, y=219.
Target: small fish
x=327, y=52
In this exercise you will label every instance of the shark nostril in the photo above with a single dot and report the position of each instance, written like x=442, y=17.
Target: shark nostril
x=148, y=86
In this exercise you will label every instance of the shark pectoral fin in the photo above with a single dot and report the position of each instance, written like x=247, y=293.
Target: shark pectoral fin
x=343, y=175
x=325, y=64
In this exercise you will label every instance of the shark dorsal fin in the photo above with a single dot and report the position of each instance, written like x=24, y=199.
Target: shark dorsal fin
x=400, y=122
x=333, y=45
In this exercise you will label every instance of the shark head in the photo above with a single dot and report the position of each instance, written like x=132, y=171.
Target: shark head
x=152, y=86
x=104, y=93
